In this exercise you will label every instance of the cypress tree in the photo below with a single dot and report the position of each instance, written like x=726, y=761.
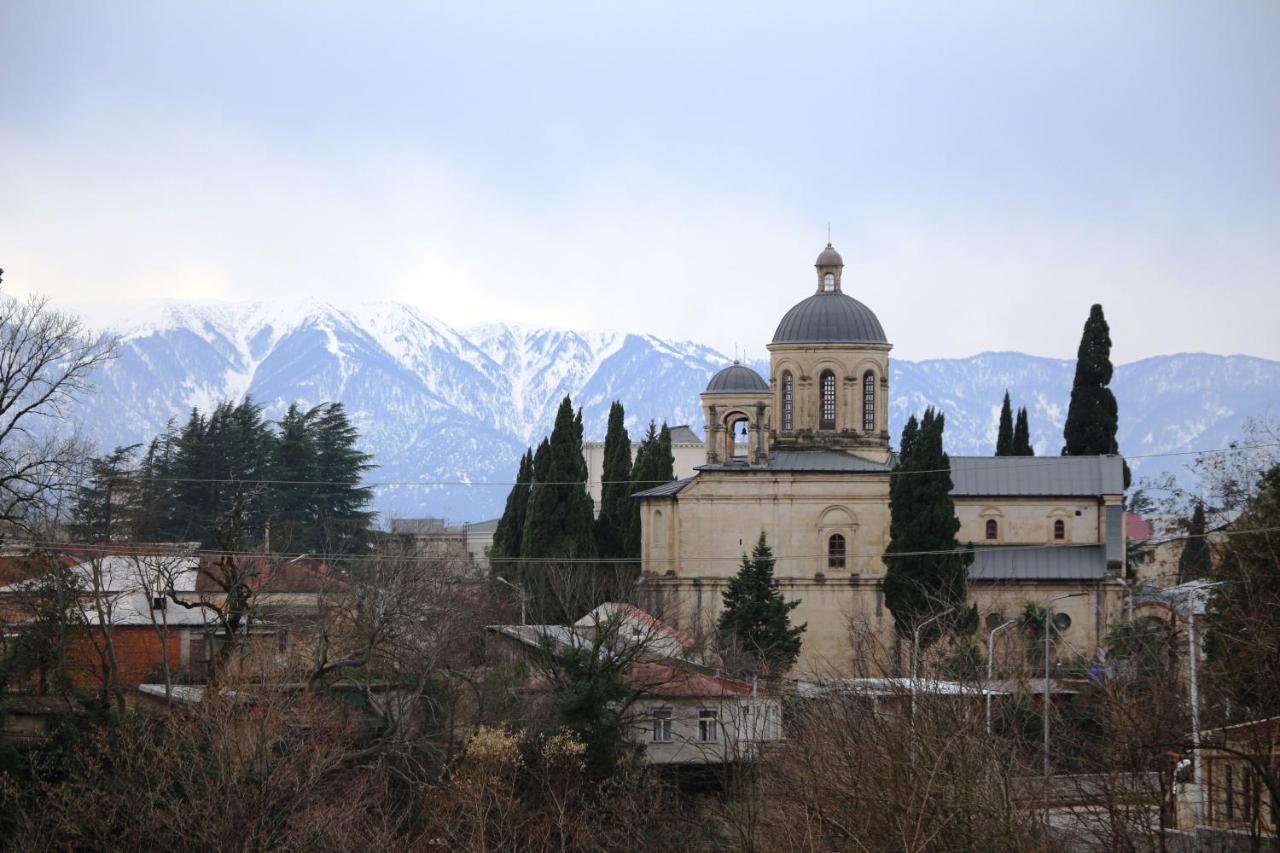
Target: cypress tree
x=1004, y=438
x=1092, y=417
x=754, y=630
x=927, y=572
x=1022, y=435
x=654, y=465
x=510, y=530
x=559, y=522
x=1196, y=561
x=615, y=490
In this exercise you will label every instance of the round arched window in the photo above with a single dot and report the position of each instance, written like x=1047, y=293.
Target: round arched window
x=829, y=281
x=827, y=411
x=993, y=529
x=836, y=553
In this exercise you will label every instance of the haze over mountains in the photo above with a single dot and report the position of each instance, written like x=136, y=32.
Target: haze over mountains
x=440, y=407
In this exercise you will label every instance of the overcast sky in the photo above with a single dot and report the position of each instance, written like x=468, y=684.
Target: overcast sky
x=660, y=168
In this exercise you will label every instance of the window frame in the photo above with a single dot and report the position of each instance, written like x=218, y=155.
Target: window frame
x=837, y=557
x=869, y=401
x=662, y=731
x=788, y=400
x=708, y=725
x=827, y=400
x=991, y=532
x=1059, y=530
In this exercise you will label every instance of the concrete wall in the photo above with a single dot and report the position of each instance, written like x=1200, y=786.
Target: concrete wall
x=1029, y=520
x=686, y=455
x=743, y=723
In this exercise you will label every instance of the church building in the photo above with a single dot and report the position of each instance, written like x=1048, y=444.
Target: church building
x=805, y=457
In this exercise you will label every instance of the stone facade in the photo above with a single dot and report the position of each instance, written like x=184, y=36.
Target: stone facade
x=813, y=475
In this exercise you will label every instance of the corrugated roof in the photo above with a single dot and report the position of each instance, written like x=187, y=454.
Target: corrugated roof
x=666, y=490
x=736, y=377
x=681, y=434
x=829, y=317
x=1055, y=562
x=1012, y=476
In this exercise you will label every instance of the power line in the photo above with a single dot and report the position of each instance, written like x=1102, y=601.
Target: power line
x=1003, y=466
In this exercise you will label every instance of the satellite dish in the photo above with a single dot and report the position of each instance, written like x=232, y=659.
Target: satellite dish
x=1061, y=622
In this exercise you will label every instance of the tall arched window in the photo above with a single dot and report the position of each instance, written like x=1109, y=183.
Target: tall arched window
x=869, y=402
x=835, y=553
x=827, y=414
x=788, y=401
x=993, y=529
x=1059, y=529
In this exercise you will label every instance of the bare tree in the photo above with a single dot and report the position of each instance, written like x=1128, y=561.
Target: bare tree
x=47, y=359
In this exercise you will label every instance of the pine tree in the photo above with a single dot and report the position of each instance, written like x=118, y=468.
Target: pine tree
x=1092, y=416
x=1022, y=435
x=560, y=520
x=754, y=630
x=294, y=467
x=1004, y=438
x=507, y=536
x=1195, y=562
x=615, y=490
x=342, y=513
x=927, y=572
x=104, y=502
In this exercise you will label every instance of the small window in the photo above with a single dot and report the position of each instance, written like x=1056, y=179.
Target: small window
x=1059, y=530
x=835, y=553
x=827, y=415
x=662, y=725
x=869, y=402
x=158, y=602
x=788, y=401
x=708, y=725
x=829, y=281
x=993, y=529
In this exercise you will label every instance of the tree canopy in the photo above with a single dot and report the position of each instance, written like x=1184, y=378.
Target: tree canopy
x=754, y=631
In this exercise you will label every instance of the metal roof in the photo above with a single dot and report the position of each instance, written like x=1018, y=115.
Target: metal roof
x=1039, y=476
x=681, y=434
x=666, y=490
x=1039, y=563
x=829, y=317
x=829, y=258
x=736, y=377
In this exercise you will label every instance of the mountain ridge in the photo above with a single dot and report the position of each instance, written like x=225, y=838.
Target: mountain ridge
x=438, y=404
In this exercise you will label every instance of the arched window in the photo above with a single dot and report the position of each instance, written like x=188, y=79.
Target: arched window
x=993, y=529
x=788, y=401
x=1059, y=530
x=869, y=402
x=827, y=414
x=835, y=553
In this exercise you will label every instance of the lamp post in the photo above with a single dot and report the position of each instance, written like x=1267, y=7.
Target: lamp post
x=1048, y=627
x=991, y=664
x=915, y=652
x=519, y=591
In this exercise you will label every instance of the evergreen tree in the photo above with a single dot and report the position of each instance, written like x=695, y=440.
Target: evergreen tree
x=1092, y=416
x=103, y=503
x=295, y=467
x=1004, y=438
x=615, y=490
x=927, y=571
x=342, y=513
x=1195, y=562
x=1022, y=435
x=654, y=465
x=754, y=630
x=510, y=530
x=560, y=519
x=1243, y=621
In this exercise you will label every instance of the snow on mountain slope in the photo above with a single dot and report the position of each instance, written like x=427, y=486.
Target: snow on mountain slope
x=438, y=405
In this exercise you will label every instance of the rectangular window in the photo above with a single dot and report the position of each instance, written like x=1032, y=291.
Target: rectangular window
x=662, y=725
x=788, y=401
x=708, y=725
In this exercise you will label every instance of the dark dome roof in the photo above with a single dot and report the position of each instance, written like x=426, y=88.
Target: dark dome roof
x=831, y=317
x=737, y=377
x=829, y=258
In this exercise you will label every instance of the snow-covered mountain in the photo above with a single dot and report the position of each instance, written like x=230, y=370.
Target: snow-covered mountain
x=440, y=406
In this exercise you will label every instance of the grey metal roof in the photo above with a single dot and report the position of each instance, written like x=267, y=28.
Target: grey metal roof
x=1039, y=476
x=829, y=317
x=829, y=258
x=683, y=435
x=1048, y=562
x=809, y=460
x=737, y=377
x=666, y=490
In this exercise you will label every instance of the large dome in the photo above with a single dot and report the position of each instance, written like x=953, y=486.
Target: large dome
x=736, y=377
x=830, y=318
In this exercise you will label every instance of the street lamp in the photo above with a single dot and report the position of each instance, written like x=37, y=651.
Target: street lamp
x=991, y=664
x=519, y=591
x=915, y=652
x=1048, y=627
